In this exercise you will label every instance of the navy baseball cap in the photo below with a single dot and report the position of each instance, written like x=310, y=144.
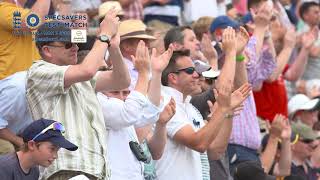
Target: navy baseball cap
x=47, y=130
x=223, y=22
x=246, y=18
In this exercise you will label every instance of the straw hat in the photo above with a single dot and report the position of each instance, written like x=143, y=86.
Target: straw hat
x=132, y=28
x=105, y=7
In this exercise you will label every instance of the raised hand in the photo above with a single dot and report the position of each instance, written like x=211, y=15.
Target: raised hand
x=229, y=42
x=286, y=130
x=168, y=112
x=159, y=63
x=262, y=18
x=110, y=24
x=239, y=95
x=207, y=49
x=290, y=38
x=141, y=60
x=310, y=37
x=242, y=39
x=277, y=125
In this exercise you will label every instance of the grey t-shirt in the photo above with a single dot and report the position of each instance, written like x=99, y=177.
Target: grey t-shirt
x=10, y=169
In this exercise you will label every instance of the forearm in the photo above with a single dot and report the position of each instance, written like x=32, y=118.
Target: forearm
x=219, y=145
x=282, y=61
x=142, y=83
x=8, y=135
x=120, y=73
x=154, y=92
x=259, y=33
x=158, y=141
x=268, y=155
x=227, y=73
x=298, y=66
x=93, y=60
x=285, y=159
x=241, y=74
x=204, y=137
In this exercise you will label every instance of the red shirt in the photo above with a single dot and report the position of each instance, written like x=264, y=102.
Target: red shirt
x=272, y=99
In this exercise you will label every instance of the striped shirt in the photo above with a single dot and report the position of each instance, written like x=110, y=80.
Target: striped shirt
x=78, y=109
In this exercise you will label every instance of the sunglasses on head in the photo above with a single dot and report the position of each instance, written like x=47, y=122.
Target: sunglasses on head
x=56, y=126
x=67, y=45
x=188, y=70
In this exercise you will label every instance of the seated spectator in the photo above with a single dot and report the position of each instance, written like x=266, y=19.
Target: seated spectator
x=302, y=151
x=304, y=109
x=42, y=140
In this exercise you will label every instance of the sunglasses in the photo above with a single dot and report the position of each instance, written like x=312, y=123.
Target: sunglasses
x=307, y=141
x=188, y=70
x=67, y=45
x=56, y=126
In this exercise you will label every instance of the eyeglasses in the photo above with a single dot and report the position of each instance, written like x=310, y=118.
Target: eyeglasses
x=307, y=141
x=67, y=45
x=188, y=70
x=56, y=126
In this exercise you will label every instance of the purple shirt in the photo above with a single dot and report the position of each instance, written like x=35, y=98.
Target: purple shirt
x=245, y=130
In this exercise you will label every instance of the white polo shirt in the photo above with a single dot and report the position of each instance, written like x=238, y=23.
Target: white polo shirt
x=179, y=162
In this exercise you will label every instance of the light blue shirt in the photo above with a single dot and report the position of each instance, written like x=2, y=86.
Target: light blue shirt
x=14, y=111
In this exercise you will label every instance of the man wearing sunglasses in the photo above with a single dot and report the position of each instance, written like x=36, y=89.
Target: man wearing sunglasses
x=42, y=140
x=302, y=151
x=59, y=88
x=188, y=136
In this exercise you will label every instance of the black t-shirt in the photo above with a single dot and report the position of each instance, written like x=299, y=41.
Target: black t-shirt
x=10, y=169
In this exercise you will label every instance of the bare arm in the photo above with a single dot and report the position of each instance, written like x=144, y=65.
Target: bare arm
x=298, y=66
x=8, y=135
x=158, y=64
x=90, y=65
x=158, y=139
x=261, y=20
x=241, y=71
x=284, y=55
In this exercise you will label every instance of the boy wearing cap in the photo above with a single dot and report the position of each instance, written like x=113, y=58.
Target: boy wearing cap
x=42, y=140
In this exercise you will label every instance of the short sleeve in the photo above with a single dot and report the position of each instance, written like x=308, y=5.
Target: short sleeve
x=45, y=77
x=177, y=122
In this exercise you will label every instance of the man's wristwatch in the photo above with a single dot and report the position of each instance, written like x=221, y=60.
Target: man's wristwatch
x=105, y=39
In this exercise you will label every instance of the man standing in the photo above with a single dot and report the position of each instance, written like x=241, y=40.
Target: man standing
x=59, y=88
x=17, y=51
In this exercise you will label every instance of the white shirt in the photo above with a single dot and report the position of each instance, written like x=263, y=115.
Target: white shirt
x=120, y=118
x=14, y=111
x=179, y=162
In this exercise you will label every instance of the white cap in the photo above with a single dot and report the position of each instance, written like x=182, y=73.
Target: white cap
x=211, y=73
x=301, y=102
x=205, y=69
